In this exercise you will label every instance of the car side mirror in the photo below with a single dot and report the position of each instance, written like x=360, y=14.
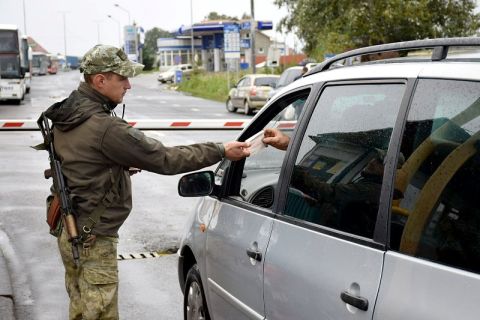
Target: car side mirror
x=232, y=86
x=273, y=85
x=197, y=184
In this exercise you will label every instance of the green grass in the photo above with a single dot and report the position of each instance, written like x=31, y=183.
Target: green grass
x=213, y=86
x=149, y=71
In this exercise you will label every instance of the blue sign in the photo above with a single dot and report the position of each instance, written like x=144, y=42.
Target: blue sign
x=178, y=76
x=231, y=41
x=245, y=25
x=245, y=43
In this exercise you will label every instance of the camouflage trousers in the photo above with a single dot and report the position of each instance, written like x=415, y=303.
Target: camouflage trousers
x=93, y=286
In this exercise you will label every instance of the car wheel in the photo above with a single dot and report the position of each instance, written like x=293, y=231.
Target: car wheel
x=230, y=106
x=194, y=302
x=246, y=108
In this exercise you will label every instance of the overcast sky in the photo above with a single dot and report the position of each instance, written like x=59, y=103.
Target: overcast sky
x=87, y=20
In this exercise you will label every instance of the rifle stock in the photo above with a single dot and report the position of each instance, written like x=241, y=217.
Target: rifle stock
x=60, y=187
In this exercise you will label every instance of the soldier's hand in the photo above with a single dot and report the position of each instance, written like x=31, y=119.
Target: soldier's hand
x=236, y=150
x=276, y=138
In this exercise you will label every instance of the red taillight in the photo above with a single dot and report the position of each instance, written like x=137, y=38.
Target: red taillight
x=253, y=91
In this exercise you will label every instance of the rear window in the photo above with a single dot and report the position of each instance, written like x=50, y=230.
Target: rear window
x=267, y=81
x=437, y=217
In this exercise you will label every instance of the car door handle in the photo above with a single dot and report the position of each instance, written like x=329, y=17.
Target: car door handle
x=254, y=254
x=356, y=301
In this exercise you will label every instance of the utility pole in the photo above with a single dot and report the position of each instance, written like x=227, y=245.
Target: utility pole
x=119, y=30
x=24, y=19
x=98, y=30
x=191, y=33
x=252, y=35
x=64, y=36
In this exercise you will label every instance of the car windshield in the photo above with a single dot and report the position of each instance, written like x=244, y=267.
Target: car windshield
x=288, y=76
x=266, y=81
x=9, y=66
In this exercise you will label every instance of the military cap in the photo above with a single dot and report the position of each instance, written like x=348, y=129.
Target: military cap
x=104, y=58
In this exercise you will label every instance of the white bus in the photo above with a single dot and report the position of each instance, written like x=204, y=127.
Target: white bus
x=40, y=64
x=27, y=61
x=12, y=65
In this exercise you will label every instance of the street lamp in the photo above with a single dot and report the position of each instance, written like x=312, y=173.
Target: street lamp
x=98, y=29
x=135, y=32
x=64, y=36
x=122, y=8
x=119, y=30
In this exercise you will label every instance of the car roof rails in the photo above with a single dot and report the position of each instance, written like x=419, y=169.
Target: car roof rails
x=440, y=48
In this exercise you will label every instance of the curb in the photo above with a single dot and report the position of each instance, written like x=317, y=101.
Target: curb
x=6, y=292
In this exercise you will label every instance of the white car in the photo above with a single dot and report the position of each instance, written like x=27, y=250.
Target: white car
x=371, y=212
x=170, y=74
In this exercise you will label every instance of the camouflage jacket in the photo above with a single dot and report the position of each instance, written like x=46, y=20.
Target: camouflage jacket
x=96, y=150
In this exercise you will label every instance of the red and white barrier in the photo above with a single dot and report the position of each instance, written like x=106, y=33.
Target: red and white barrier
x=147, y=124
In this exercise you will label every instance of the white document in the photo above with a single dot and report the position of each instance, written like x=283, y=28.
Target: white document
x=256, y=143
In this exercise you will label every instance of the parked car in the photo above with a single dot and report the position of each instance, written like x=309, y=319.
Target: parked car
x=288, y=76
x=169, y=75
x=251, y=92
x=371, y=211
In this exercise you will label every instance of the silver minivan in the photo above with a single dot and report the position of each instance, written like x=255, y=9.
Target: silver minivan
x=369, y=213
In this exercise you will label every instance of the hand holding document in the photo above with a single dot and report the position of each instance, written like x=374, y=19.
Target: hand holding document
x=256, y=143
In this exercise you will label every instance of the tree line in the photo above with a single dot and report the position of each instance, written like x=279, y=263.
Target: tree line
x=327, y=26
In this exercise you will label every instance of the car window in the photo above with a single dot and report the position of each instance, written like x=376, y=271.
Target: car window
x=265, y=81
x=247, y=82
x=338, y=171
x=241, y=82
x=261, y=170
x=437, y=217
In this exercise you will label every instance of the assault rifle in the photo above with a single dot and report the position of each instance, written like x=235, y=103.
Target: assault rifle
x=60, y=187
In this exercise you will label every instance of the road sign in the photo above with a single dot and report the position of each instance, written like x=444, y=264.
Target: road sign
x=231, y=41
x=245, y=43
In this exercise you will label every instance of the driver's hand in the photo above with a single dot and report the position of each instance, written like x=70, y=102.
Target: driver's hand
x=276, y=138
x=236, y=150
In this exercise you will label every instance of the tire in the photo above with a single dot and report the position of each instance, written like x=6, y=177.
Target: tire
x=194, y=302
x=246, y=108
x=230, y=107
x=28, y=90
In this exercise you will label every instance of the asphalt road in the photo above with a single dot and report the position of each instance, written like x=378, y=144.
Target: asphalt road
x=148, y=287
x=148, y=99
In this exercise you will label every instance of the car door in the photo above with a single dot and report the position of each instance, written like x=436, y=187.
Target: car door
x=322, y=261
x=241, y=223
x=243, y=90
x=433, y=265
x=237, y=100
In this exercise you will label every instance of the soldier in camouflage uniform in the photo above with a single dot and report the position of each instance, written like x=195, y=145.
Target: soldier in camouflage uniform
x=96, y=150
